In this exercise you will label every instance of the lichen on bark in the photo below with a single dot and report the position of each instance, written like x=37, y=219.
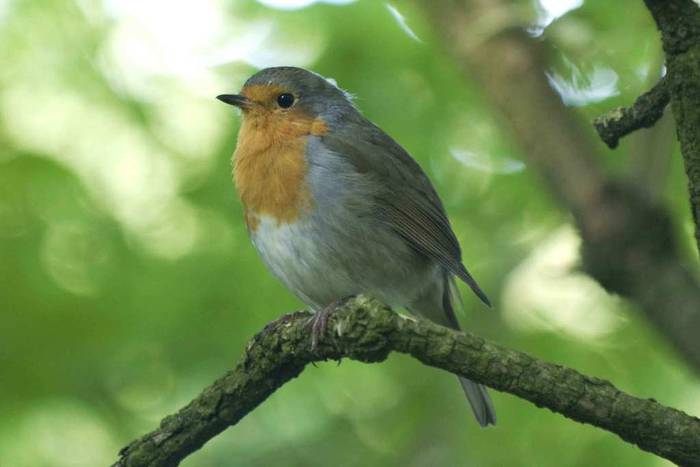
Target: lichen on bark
x=366, y=330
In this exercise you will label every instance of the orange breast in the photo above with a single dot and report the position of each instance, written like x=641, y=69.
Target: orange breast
x=270, y=167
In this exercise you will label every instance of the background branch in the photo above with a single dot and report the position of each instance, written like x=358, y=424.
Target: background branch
x=644, y=113
x=629, y=244
x=679, y=24
x=652, y=150
x=365, y=330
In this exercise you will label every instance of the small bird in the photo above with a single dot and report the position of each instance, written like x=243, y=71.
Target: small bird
x=336, y=207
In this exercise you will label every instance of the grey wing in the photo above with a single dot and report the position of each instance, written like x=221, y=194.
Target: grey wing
x=408, y=202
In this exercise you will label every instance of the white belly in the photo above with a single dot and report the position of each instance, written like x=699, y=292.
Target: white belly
x=298, y=256
x=322, y=262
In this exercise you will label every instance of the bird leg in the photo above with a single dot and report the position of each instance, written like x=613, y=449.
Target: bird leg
x=319, y=321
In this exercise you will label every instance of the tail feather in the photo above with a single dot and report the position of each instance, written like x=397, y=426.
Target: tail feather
x=478, y=397
x=480, y=401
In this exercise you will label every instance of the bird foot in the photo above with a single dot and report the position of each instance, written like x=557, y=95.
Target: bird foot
x=319, y=321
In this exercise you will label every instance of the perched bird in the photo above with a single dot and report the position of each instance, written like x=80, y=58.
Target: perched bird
x=336, y=207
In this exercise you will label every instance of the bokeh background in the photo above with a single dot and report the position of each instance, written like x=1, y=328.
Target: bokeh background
x=128, y=284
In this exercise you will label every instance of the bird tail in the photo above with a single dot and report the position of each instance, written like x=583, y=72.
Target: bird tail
x=478, y=397
x=480, y=401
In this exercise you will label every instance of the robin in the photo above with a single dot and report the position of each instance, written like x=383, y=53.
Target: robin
x=336, y=207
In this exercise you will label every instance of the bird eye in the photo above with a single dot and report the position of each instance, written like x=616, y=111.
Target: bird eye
x=285, y=100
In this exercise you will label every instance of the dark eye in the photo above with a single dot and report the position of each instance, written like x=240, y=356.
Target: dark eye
x=285, y=100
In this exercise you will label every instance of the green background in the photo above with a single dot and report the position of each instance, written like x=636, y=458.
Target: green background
x=128, y=283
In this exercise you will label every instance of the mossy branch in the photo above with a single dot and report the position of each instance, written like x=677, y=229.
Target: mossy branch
x=367, y=331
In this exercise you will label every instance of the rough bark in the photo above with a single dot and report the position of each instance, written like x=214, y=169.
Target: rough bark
x=367, y=331
x=628, y=239
x=644, y=113
x=679, y=23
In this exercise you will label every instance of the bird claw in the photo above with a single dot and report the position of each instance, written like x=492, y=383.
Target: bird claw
x=318, y=324
x=319, y=321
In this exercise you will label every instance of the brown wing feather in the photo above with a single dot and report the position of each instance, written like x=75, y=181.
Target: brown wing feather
x=409, y=203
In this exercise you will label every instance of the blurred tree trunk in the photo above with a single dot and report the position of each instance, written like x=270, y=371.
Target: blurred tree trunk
x=628, y=239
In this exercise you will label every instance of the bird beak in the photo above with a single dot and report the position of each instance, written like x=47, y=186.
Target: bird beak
x=237, y=100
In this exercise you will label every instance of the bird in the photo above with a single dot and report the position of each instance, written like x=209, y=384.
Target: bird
x=336, y=207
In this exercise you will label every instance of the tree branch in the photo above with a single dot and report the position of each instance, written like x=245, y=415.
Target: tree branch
x=679, y=24
x=644, y=113
x=629, y=244
x=365, y=330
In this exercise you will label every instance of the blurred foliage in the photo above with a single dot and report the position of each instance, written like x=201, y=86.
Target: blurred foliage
x=127, y=282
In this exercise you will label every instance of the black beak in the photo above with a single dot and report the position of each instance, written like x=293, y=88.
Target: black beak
x=237, y=100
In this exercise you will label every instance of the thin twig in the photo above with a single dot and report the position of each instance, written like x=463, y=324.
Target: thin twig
x=644, y=113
